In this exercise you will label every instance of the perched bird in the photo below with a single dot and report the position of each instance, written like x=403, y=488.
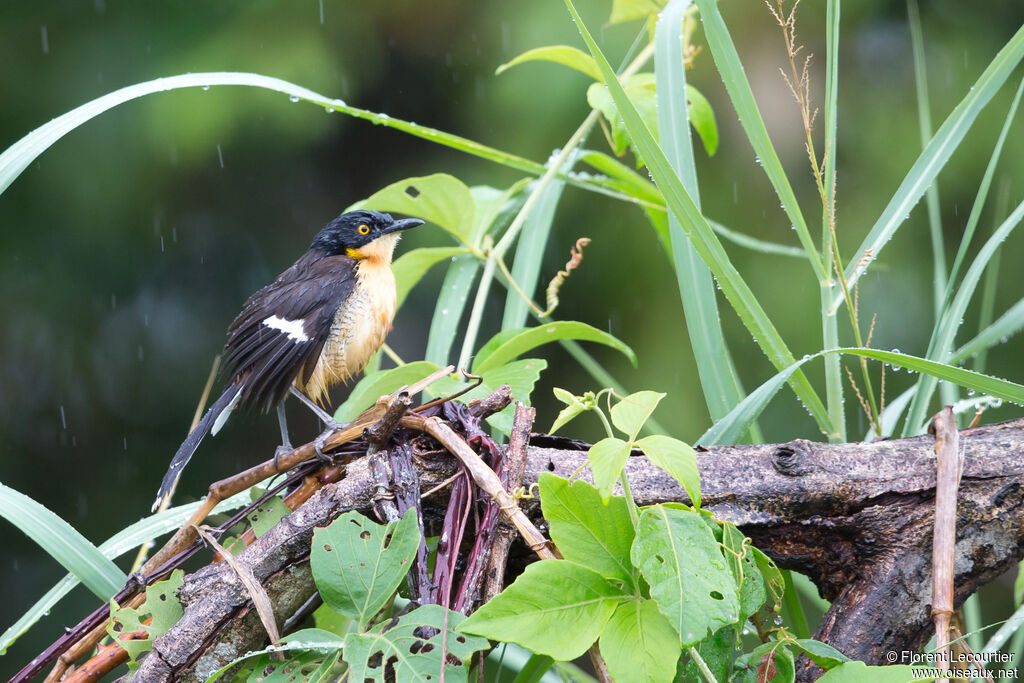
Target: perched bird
x=316, y=325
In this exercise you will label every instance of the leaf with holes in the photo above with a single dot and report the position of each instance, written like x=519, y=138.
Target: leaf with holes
x=399, y=650
x=556, y=608
x=161, y=604
x=639, y=644
x=680, y=558
x=357, y=564
x=585, y=530
x=439, y=198
x=267, y=515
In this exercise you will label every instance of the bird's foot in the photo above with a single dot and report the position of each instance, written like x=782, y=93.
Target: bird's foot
x=332, y=426
x=283, y=449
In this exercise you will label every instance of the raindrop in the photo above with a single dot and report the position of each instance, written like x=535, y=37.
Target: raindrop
x=206, y=87
x=220, y=156
x=113, y=301
x=294, y=98
x=161, y=243
x=126, y=443
x=321, y=12
x=63, y=417
x=46, y=39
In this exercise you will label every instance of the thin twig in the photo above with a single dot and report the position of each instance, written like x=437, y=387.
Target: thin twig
x=949, y=466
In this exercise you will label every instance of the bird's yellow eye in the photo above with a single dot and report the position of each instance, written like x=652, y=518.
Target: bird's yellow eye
x=364, y=229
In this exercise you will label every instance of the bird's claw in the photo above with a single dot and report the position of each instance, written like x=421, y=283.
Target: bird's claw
x=283, y=449
x=321, y=441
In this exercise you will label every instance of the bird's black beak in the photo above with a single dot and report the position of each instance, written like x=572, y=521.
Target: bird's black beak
x=403, y=224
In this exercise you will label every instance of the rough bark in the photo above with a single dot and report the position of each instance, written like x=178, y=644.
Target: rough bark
x=856, y=518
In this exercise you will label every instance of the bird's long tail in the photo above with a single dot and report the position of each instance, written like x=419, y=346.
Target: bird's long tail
x=212, y=421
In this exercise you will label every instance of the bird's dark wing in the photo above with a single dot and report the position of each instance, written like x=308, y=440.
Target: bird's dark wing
x=282, y=328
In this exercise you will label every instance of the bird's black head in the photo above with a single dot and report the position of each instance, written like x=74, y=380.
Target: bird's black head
x=350, y=232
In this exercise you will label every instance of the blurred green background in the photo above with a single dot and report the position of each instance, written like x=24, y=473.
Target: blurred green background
x=128, y=247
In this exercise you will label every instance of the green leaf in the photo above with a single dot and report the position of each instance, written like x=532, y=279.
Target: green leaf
x=357, y=564
x=858, y=672
x=515, y=344
x=381, y=383
x=530, y=250
x=571, y=57
x=679, y=556
x=267, y=515
x=630, y=182
x=439, y=198
x=328, y=619
x=639, y=644
x=702, y=118
x=630, y=414
x=607, y=457
x=676, y=458
x=641, y=90
x=412, y=656
x=825, y=656
x=628, y=10
x=736, y=84
x=935, y=155
x=756, y=665
x=451, y=302
x=742, y=563
x=773, y=579
x=572, y=408
x=717, y=651
x=534, y=669
x=738, y=293
x=308, y=663
x=62, y=542
x=411, y=266
x=587, y=531
x=556, y=608
x=129, y=538
x=161, y=603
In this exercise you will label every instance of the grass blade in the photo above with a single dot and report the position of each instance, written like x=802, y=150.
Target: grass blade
x=710, y=249
x=1008, y=324
x=721, y=387
x=123, y=541
x=945, y=332
x=451, y=303
x=736, y=84
x=942, y=145
x=829, y=319
x=62, y=542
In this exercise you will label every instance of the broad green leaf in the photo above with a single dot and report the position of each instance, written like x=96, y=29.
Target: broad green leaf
x=630, y=182
x=520, y=375
x=381, y=383
x=411, y=266
x=702, y=118
x=717, y=651
x=556, y=608
x=607, y=457
x=572, y=408
x=530, y=249
x=439, y=198
x=639, y=644
x=676, y=458
x=266, y=515
x=161, y=604
x=858, y=672
x=679, y=556
x=628, y=10
x=825, y=656
x=587, y=531
x=742, y=563
x=357, y=564
x=935, y=155
x=413, y=656
x=129, y=538
x=62, y=542
x=529, y=338
x=630, y=414
x=495, y=207
x=773, y=579
x=328, y=619
x=736, y=290
x=641, y=91
x=571, y=57
x=734, y=78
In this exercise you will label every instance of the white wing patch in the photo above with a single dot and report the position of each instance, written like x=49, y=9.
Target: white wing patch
x=293, y=328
